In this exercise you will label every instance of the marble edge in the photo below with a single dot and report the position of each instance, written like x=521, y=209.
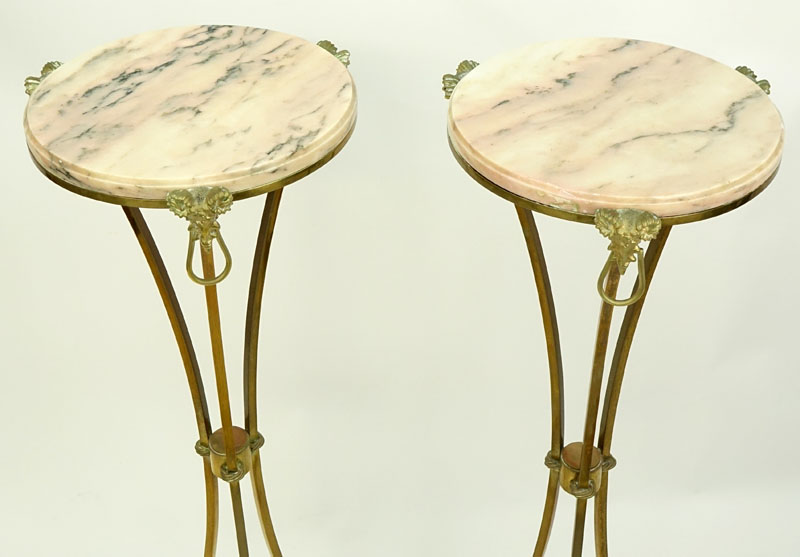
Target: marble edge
x=583, y=218
x=560, y=199
x=245, y=190
x=134, y=189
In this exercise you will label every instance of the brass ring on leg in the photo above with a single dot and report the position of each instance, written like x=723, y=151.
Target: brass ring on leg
x=579, y=492
x=230, y=476
x=641, y=283
x=225, y=253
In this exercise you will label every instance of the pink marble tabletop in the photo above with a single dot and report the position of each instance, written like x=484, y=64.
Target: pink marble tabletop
x=594, y=123
x=238, y=107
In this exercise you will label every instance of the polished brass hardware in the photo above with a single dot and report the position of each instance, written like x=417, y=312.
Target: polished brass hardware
x=342, y=55
x=32, y=82
x=201, y=207
x=217, y=452
x=449, y=80
x=256, y=442
x=202, y=449
x=626, y=228
x=763, y=83
x=552, y=462
x=570, y=470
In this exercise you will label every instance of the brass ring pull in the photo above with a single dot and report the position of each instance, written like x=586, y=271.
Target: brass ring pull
x=256, y=442
x=582, y=492
x=230, y=476
x=641, y=282
x=626, y=228
x=225, y=253
x=201, y=206
x=202, y=449
x=551, y=462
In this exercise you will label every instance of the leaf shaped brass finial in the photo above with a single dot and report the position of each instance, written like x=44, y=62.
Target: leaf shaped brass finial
x=32, y=82
x=201, y=206
x=763, y=83
x=626, y=228
x=342, y=55
x=449, y=81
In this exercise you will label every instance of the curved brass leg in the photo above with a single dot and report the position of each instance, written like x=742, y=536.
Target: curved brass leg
x=550, y=324
x=252, y=323
x=616, y=374
x=184, y=341
x=215, y=329
x=550, y=502
x=212, y=509
x=578, y=529
x=583, y=481
x=601, y=519
x=263, y=509
x=624, y=342
x=238, y=519
x=253, y=316
x=593, y=405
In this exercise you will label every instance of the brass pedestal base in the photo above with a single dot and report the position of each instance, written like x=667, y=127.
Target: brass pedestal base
x=229, y=453
x=581, y=468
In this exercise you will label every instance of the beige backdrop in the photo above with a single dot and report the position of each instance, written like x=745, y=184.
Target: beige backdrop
x=403, y=381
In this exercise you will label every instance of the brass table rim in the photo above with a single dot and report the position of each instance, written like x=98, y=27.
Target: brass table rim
x=162, y=203
x=584, y=218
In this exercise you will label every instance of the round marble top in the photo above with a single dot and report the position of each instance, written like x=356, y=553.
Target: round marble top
x=584, y=124
x=238, y=107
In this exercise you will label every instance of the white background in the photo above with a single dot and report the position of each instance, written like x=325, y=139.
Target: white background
x=403, y=388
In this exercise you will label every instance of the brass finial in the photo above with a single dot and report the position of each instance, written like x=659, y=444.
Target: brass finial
x=342, y=55
x=201, y=206
x=449, y=81
x=763, y=83
x=626, y=228
x=32, y=82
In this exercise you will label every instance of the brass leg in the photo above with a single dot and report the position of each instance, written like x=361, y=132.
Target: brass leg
x=550, y=324
x=583, y=487
x=601, y=519
x=578, y=529
x=616, y=374
x=212, y=509
x=263, y=509
x=212, y=304
x=593, y=405
x=238, y=519
x=550, y=502
x=252, y=322
x=624, y=343
x=253, y=316
x=195, y=381
x=170, y=300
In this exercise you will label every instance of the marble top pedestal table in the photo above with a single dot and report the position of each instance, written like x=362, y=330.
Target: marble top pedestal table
x=193, y=119
x=634, y=137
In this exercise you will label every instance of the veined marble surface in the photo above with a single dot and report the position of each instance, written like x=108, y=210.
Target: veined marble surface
x=238, y=107
x=585, y=124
